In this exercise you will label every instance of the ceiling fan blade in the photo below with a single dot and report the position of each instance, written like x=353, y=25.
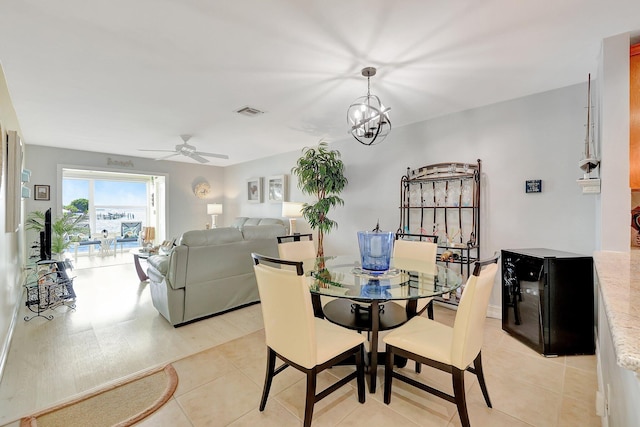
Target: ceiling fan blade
x=166, y=157
x=195, y=156
x=219, y=156
x=162, y=151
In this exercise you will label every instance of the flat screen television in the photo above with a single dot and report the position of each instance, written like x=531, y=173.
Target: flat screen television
x=45, y=237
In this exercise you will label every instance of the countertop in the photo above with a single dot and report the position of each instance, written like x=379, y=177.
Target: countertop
x=619, y=284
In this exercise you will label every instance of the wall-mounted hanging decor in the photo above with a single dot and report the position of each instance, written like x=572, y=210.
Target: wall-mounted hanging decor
x=254, y=190
x=41, y=192
x=3, y=151
x=202, y=190
x=533, y=186
x=14, y=184
x=590, y=182
x=277, y=188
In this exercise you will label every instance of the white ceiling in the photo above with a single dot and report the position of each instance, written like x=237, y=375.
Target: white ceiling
x=117, y=76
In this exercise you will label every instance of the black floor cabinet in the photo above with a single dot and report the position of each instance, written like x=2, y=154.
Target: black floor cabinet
x=548, y=300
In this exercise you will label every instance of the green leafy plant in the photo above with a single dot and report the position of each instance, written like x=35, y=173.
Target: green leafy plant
x=320, y=173
x=61, y=229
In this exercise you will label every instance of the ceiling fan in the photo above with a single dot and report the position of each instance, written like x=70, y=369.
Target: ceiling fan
x=188, y=150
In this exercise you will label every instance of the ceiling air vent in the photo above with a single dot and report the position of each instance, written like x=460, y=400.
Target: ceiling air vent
x=249, y=111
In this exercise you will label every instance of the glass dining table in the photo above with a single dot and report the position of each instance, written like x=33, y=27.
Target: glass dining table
x=363, y=300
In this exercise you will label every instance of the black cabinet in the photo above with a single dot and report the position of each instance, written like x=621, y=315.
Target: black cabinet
x=548, y=300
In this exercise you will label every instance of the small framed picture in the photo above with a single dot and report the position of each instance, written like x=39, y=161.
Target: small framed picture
x=41, y=192
x=254, y=190
x=533, y=186
x=277, y=188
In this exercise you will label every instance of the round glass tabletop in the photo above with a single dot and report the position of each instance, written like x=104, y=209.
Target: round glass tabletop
x=406, y=279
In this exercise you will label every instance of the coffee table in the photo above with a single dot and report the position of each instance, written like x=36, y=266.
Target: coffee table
x=138, y=254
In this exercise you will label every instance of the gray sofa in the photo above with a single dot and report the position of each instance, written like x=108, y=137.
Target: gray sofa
x=210, y=271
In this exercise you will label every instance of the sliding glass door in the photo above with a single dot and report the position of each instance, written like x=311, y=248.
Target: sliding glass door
x=116, y=203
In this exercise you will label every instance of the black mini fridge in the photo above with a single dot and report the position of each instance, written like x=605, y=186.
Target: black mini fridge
x=548, y=300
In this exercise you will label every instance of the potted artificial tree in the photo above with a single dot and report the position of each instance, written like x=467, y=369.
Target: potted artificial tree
x=61, y=229
x=320, y=173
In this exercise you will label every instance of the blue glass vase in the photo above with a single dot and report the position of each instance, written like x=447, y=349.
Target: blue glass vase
x=375, y=250
x=376, y=289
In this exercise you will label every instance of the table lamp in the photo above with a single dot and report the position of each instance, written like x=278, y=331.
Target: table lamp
x=292, y=210
x=214, y=209
x=148, y=235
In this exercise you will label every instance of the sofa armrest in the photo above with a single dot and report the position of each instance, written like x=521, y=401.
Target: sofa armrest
x=160, y=263
x=177, y=268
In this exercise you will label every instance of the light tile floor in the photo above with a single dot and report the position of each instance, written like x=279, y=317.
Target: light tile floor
x=115, y=332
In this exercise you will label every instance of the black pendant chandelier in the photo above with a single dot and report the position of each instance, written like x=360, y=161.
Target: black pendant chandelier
x=367, y=118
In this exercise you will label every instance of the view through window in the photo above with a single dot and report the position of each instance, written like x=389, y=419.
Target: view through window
x=118, y=204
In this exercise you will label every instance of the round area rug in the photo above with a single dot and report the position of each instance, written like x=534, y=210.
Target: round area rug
x=120, y=404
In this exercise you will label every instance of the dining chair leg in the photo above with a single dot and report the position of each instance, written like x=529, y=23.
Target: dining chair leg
x=477, y=364
x=311, y=397
x=458, y=393
x=360, y=373
x=388, y=375
x=430, y=310
x=271, y=364
x=430, y=316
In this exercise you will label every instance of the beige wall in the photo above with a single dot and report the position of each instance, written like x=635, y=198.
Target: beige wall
x=10, y=260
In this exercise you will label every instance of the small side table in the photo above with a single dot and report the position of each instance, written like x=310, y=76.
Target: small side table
x=139, y=254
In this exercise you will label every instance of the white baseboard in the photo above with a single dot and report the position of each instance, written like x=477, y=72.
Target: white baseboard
x=4, y=350
x=493, y=311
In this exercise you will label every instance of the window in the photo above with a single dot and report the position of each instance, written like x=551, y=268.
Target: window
x=110, y=199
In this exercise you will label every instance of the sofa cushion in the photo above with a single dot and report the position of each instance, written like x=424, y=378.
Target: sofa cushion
x=252, y=221
x=253, y=232
x=215, y=236
x=239, y=222
x=271, y=221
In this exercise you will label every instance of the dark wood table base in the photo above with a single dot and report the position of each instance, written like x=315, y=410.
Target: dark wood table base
x=372, y=318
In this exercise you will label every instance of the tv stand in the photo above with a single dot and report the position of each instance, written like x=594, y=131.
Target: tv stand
x=50, y=288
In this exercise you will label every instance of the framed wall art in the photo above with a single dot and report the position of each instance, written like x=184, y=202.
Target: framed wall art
x=41, y=192
x=277, y=188
x=14, y=174
x=3, y=150
x=254, y=190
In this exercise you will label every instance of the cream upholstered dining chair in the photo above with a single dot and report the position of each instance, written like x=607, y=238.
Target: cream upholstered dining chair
x=412, y=255
x=297, y=248
x=300, y=247
x=450, y=349
x=416, y=255
x=295, y=336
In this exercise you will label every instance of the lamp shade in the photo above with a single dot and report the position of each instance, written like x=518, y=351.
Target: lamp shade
x=148, y=234
x=291, y=209
x=214, y=209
